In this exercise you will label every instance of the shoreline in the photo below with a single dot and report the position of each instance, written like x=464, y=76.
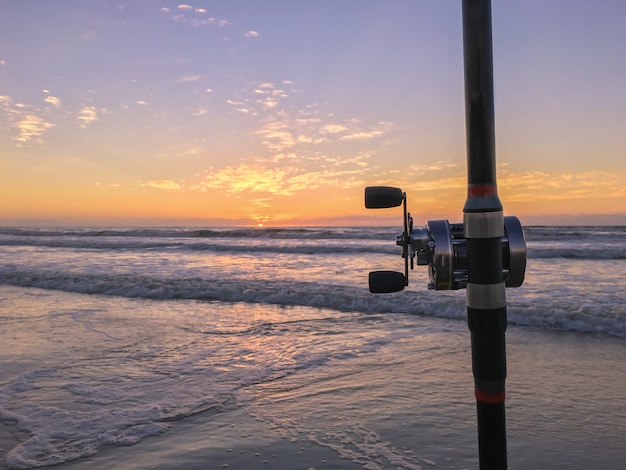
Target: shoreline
x=231, y=439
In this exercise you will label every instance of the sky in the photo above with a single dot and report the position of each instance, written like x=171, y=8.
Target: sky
x=248, y=112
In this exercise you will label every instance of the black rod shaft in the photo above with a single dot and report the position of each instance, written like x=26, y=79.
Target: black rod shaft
x=484, y=229
x=479, y=108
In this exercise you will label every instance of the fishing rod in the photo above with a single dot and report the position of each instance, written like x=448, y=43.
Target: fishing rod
x=483, y=255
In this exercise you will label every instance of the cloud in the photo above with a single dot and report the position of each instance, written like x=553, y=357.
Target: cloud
x=181, y=150
x=252, y=34
x=24, y=121
x=261, y=202
x=201, y=111
x=286, y=176
x=241, y=106
x=533, y=185
x=248, y=178
x=54, y=101
x=86, y=116
x=194, y=16
x=167, y=185
x=437, y=166
x=333, y=129
x=297, y=154
x=271, y=96
x=285, y=122
x=31, y=128
x=362, y=135
x=189, y=79
x=5, y=101
x=269, y=89
x=277, y=136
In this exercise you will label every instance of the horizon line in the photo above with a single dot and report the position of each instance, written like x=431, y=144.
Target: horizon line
x=618, y=219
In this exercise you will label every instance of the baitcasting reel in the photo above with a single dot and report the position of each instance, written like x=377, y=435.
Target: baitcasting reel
x=442, y=247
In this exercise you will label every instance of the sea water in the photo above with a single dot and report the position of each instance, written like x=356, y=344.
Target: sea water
x=122, y=337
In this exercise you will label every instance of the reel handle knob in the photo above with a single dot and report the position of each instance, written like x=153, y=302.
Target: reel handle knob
x=385, y=282
x=383, y=197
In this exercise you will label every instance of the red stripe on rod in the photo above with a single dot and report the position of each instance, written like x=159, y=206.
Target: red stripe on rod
x=482, y=190
x=490, y=398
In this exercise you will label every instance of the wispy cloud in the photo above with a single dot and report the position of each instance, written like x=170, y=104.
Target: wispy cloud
x=561, y=186
x=285, y=123
x=252, y=178
x=86, y=116
x=180, y=150
x=241, y=106
x=286, y=176
x=277, y=136
x=256, y=179
x=299, y=147
x=168, y=185
x=194, y=16
x=252, y=34
x=261, y=202
x=362, y=135
x=270, y=96
x=332, y=129
x=53, y=100
x=441, y=165
x=188, y=79
x=201, y=111
x=31, y=127
x=24, y=120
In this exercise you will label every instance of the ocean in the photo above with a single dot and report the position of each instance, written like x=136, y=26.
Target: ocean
x=263, y=348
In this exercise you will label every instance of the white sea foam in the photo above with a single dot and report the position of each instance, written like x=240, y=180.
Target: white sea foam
x=582, y=309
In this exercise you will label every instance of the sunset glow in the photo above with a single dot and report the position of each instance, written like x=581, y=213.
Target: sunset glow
x=141, y=113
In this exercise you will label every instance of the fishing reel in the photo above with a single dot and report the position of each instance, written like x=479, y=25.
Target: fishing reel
x=442, y=247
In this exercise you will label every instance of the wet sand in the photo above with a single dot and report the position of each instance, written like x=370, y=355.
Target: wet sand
x=235, y=440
